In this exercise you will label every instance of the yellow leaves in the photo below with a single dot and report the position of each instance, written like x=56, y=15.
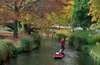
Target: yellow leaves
x=93, y=19
x=71, y=2
x=41, y=23
x=59, y=19
x=26, y=17
x=51, y=16
x=35, y=21
x=64, y=16
x=68, y=9
x=66, y=32
x=29, y=1
x=3, y=8
x=95, y=10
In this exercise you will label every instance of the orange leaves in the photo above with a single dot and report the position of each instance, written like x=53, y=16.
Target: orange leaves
x=6, y=15
x=62, y=8
x=48, y=6
x=10, y=9
x=35, y=21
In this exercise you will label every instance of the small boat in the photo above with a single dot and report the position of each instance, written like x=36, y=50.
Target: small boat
x=58, y=55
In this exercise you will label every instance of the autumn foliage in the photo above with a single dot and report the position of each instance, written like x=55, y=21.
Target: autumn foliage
x=95, y=10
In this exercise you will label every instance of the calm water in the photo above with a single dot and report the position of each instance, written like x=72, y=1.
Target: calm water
x=43, y=56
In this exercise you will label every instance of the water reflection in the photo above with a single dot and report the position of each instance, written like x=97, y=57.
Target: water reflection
x=40, y=56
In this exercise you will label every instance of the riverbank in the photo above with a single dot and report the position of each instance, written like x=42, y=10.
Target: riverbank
x=11, y=48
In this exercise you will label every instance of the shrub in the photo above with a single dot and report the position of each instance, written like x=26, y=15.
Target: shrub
x=6, y=50
x=3, y=52
x=12, y=48
x=78, y=39
x=9, y=44
x=96, y=37
x=25, y=44
x=25, y=41
x=95, y=55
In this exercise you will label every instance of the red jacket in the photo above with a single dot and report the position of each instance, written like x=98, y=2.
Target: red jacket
x=62, y=42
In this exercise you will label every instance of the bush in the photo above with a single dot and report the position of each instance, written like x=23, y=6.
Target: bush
x=3, y=52
x=10, y=46
x=25, y=44
x=95, y=55
x=78, y=39
x=7, y=50
x=25, y=41
x=96, y=37
x=76, y=42
x=90, y=55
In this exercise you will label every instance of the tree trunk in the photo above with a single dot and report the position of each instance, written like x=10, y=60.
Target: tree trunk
x=15, y=33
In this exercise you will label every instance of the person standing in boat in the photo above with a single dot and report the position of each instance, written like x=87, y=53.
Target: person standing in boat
x=62, y=44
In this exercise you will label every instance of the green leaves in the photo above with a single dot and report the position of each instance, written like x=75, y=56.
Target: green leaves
x=57, y=19
x=80, y=14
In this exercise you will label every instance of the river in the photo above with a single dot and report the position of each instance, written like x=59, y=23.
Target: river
x=43, y=56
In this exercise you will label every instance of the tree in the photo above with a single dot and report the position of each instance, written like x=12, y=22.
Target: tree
x=80, y=14
x=27, y=10
x=94, y=10
x=65, y=15
x=5, y=14
x=35, y=21
x=15, y=7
